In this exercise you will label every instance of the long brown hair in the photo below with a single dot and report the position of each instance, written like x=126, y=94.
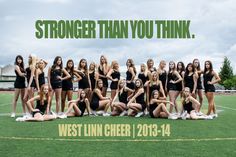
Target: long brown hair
x=42, y=95
x=211, y=66
x=72, y=68
x=55, y=63
x=131, y=65
x=21, y=65
x=85, y=67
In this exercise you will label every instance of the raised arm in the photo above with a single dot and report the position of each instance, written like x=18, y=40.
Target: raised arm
x=109, y=75
x=30, y=102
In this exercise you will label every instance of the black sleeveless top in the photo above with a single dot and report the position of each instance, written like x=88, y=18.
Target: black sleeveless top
x=179, y=84
x=104, y=79
x=42, y=107
x=123, y=96
x=199, y=81
x=162, y=78
x=208, y=77
x=171, y=86
x=140, y=99
x=128, y=75
x=82, y=106
x=84, y=82
x=115, y=74
x=41, y=79
x=95, y=98
x=54, y=74
x=68, y=83
x=20, y=81
x=92, y=79
x=152, y=88
x=28, y=75
x=188, y=106
x=188, y=81
x=143, y=77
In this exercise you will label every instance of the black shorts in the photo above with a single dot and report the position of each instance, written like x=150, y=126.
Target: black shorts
x=56, y=85
x=66, y=87
x=171, y=86
x=114, y=85
x=143, y=106
x=130, y=85
x=19, y=85
x=179, y=86
x=34, y=112
x=83, y=85
x=105, y=82
x=188, y=108
x=94, y=105
x=210, y=89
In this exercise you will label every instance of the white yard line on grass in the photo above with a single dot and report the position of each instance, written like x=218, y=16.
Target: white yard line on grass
x=226, y=107
x=120, y=140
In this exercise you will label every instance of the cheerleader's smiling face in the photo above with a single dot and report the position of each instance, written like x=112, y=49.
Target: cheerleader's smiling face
x=82, y=94
x=156, y=95
x=45, y=89
x=122, y=83
x=100, y=84
x=186, y=91
x=179, y=66
x=207, y=65
x=41, y=64
x=172, y=65
x=154, y=76
x=102, y=60
x=19, y=60
x=163, y=64
x=190, y=68
x=143, y=67
x=196, y=63
x=70, y=64
x=59, y=61
x=137, y=83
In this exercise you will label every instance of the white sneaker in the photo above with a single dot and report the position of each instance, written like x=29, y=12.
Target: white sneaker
x=124, y=113
x=100, y=113
x=13, y=115
x=93, y=113
x=54, y=114
x=173, y=117
x=27, y=115
x=105, y=114
x=184, y=115
x=199, y=113
x=139, y=114
x=62, y=116
x=214, y=115
x=20, y=119
x=85, y=114
x=209, y=117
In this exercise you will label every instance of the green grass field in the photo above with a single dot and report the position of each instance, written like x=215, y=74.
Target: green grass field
x=187, y=137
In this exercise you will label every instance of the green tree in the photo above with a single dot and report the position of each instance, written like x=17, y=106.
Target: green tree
x=226, y=72
x=230, y=83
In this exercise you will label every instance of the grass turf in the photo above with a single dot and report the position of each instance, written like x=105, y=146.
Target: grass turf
x=188, y=138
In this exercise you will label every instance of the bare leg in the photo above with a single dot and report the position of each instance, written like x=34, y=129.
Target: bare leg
x=104, y=91
x=63, y=100
x=22, y=93
x=200, y=97
x=14, y=102
x=104, y=104
x=58, y=97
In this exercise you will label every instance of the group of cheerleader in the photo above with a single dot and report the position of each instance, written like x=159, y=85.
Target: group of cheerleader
x=137, y=95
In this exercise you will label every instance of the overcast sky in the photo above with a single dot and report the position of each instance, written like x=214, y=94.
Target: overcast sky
x=213, y=23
